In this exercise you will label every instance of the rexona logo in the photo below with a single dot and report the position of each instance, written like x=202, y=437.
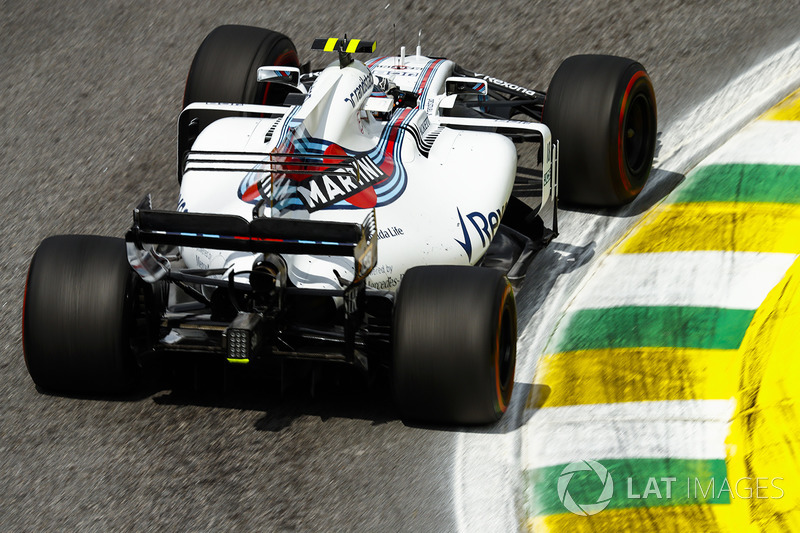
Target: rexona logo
x=585, y=508
x=507, y=85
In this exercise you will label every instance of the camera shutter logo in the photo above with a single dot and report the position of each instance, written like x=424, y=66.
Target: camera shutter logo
x=585, y=509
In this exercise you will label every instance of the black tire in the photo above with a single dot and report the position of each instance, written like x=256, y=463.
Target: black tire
x=78, y=320
x=225, y=69
x=602, y=109
x=455, y=337
x=225, y=66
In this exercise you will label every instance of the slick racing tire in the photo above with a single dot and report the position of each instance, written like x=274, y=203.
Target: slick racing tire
x=602, y=110
x=78, y=318
x=455, y=337
x=225, y=68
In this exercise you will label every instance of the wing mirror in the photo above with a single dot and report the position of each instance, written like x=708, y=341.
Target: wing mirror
x=283, y=75
x=465, y=86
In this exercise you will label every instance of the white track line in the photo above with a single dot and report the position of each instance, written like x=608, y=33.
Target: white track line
x=733, y=280
x=486, y=466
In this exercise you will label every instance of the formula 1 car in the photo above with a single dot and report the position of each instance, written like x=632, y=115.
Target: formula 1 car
x=368, y=214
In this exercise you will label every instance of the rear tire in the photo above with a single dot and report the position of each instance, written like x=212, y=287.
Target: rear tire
x=455, y=334
x=78, y=318
x=225, y=66
x=602, y=109
x=225, y=69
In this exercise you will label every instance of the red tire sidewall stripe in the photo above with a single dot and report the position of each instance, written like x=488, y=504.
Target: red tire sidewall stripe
x=620, y=133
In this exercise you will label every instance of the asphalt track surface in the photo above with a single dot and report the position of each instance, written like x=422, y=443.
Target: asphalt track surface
x=89, y=93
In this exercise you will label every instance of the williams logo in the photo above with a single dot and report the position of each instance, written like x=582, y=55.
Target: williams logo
x=585, y=508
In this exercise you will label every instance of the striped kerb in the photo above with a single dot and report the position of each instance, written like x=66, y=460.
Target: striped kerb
x=660, y=343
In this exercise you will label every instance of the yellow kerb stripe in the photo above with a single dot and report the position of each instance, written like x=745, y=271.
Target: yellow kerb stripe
x=765, y=434
x=330, y=46
x=616, y=375
x=352, y=45
x=788, y=109
x=731, y=518
x=738, y=227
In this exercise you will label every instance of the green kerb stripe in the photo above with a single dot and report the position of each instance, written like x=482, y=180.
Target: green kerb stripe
x=666, y=327
x=741, y=183
x=697, y=481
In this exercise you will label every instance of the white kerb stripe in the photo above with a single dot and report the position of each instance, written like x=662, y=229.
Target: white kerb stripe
x=733, y=280
x=764, y=141
x=684, y=429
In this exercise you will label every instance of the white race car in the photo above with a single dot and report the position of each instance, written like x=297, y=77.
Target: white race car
x=369, y=213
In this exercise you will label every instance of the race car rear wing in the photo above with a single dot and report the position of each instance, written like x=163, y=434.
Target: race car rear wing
x=231, y=232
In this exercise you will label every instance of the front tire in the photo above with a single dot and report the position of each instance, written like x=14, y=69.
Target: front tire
x=455, y=334
x=602, y=109
x=78, y=319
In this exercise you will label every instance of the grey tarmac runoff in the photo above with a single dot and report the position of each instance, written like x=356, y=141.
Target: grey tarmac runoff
x=89, y=96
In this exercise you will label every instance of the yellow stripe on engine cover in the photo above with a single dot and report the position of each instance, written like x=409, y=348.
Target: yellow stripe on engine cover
x=330, y=46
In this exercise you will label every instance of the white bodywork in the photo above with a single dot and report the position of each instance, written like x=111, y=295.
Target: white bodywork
x=438, y=200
